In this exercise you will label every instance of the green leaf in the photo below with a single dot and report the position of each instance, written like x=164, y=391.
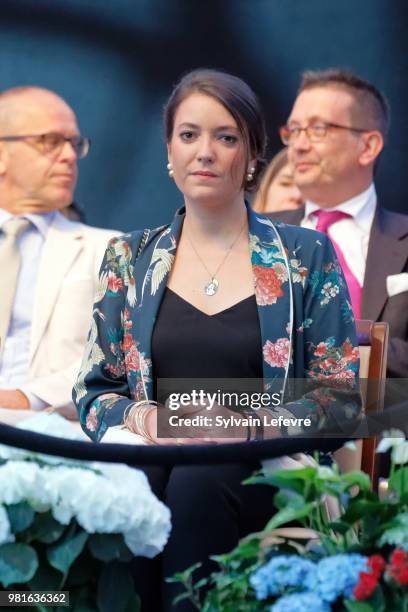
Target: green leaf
x=294, y=480
x=45, y=528
x=62, y=555
x=180, y=598
x=185, y=575
x=282, y=499
x=20, y=516
x=108, y=547
x=340, y=526
x=289, y=514
x=357, y=606
x=359, y=509
x=246, y=552
x=331, y=487
x=357, y=478
x=46, y=578
x=397, y=532
x=293, y=500
x=115, y=587
x=377, y=600
x=84, y=571
x=330, y=546
x=399, y=481
x=18, y=564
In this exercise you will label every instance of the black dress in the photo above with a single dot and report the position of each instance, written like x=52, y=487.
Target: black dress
x=187, y=343
x=211, y=510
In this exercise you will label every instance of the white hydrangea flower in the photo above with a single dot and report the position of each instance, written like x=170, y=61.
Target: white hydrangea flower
x=400, y=453
x=103, y=498
x=394, y=439
x=51, y=424
x=19, y=481
x=73, y=487
x=390, y=441
x=45, y=423
x=5, y=532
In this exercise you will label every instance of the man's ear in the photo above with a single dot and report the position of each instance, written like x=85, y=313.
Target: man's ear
x=373, y=144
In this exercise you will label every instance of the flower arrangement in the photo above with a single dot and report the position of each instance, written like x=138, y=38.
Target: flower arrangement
x=357, y=562
x=75, y=525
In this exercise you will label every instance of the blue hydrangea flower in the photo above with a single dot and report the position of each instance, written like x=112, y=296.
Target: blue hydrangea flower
x=336, y=576
x=281, y=572
x=300, y=602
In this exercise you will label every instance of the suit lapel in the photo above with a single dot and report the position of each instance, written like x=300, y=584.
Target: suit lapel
x=151, y=271
x=386, y=255
x=62, y=245
x=271, y=276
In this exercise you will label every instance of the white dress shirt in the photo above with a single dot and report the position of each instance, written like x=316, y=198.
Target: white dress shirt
x=351, y=234
x=15, y=357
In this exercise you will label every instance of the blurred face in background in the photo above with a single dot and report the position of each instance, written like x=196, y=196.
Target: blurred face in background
x=338, y=165
x=282, y=193
x=33, y=179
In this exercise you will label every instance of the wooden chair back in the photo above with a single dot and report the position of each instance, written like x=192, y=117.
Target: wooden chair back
x=373, y=344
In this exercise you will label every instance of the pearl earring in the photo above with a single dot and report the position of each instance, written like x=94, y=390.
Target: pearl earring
x=170, y=169
x=250, y=174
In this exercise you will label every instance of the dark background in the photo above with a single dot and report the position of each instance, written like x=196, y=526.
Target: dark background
x=115, y=62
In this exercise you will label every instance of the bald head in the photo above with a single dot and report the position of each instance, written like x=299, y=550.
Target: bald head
x=17, y=101
x=32, y=178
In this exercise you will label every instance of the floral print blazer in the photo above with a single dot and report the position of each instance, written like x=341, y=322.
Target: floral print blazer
x=306, y=321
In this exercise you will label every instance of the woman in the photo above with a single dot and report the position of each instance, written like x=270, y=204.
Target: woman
x=277, y=190
x=219, y=293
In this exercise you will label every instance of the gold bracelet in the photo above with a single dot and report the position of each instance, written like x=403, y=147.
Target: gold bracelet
x=129, y=411
x=137, y=422
x=134, y=418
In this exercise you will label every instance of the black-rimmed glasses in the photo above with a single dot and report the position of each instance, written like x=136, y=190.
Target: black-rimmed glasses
x=53, y=142
x=315, y=132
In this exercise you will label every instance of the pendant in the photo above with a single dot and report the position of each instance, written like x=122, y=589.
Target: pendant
x=212, y=287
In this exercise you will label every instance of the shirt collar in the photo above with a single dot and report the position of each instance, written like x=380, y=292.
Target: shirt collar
x=40, y=221
x=361, y=207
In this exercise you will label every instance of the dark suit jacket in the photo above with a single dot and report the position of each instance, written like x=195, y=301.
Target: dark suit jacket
x=387, y=254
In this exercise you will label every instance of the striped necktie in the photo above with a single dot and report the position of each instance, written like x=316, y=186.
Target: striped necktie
x=10, y=261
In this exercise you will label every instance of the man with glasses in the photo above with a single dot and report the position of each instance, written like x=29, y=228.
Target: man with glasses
x=335, y=133
x=49, y=264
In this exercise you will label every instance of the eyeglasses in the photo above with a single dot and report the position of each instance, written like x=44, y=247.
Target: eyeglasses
x=315, y=132
x=52, y=142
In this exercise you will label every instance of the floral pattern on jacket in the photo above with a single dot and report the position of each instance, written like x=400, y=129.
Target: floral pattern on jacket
x=307, y=326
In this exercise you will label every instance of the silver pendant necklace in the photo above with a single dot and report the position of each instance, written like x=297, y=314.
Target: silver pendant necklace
x=211, y=287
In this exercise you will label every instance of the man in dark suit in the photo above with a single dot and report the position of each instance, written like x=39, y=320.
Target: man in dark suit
x=335, y=132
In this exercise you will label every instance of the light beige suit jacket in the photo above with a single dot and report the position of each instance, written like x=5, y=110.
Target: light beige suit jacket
x=67, y=277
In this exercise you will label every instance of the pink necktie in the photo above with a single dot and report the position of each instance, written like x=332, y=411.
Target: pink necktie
x=326, y=218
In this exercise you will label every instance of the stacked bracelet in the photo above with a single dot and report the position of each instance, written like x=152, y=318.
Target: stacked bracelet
x=134, y=418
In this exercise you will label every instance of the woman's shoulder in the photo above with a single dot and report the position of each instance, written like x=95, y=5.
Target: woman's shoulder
x=136, y=240
x=300, y=236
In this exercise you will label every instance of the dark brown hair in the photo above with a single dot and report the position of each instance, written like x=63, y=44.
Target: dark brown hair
x=239, y=100
x=370, y=103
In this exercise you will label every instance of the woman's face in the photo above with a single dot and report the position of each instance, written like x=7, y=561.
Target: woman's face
x=283, y=193
x=206, y=151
